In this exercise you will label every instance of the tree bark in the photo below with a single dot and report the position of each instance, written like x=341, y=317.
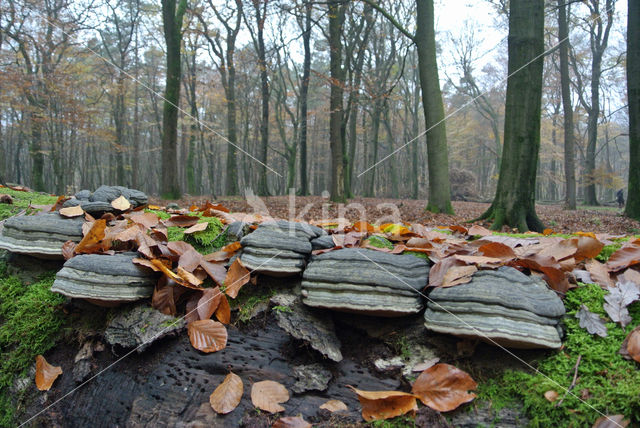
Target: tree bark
x=336, y=20
x=438, y=158
x=569, y=140
x=633, y=94
x=172, y=23
x=514, y=203
x=304, y=97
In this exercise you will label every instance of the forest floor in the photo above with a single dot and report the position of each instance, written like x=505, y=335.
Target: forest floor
x=602, y=219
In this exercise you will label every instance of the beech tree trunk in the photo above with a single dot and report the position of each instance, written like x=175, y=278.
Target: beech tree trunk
x=438, y=155
x=633, y=94
x=172, y=23
x=304, y=97
x=336, y=20
x=514, y=203
x=569, y=141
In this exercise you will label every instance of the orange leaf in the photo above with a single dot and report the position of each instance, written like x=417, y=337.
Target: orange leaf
x=231, y=248
x=146, y=263
x=633, y=344
x=444, y=387
x=46, y=374
x=363, y=226
x=223, y=312
x=547, y=232
x=626, y=256
x=459, y=229
x=121, y=203
x=334, y=406
x=226, y=397
x=378, y=405
x=188, y=279
x=91, y=243
x=209, y=302
x=71, y=211
x=237, y=276
x=588, y=248
x=291, y=422
x=267, y=395
x=207, y=335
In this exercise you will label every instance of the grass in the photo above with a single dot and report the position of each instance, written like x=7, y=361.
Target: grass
x=31, y=323
x=21, y=201
x=607, y=383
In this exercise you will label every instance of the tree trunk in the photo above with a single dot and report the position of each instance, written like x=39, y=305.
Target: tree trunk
x=569, y=140
x=35, y=149
x=304, y=97
x=438, y=159
x=193, y=128
x=633, y=94
x=262, y=189
x=336, y=20
x=172, y=23
x=514, y=203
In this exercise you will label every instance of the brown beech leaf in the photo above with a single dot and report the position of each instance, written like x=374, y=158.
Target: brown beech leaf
x=630, y=275
x=552, y=271
x=561, y=249
x=268, y=394
x=216, y=271
x=68, y=249
x=198, y=227
x=599, y=273
x=223, y=311
x=611, y=421
x=58, y=205
x=91, y=243
x=626, y=256
x=444, y=387
x=209, y=302
x=440, y=269
x=476, y=230
x=46, y=374
x=551, y=395
x=497, y=250
x=226, y=397
x=207, y=335
x=378, y=405
x=237, y=276
x=188, y=279
x=121, y=203
x=291, y=422
x=148, y=220
x=146, y=263
x=334, y=406
x=76, y=211
x=165, y=296
x=457, y=275
x=231, y=248
x=588, y=248
x=181, y=220
x=632, y=344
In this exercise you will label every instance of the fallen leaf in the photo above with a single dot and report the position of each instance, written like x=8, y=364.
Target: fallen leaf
x=267, y=395
x=291, y=422
x=591, y=322
x=582, y=276
x=599, y=273
x=363, y=226
x=223, y=312
x=630, y=275
x=440, y=269
x=459, y=229
x=633, y=344
x=188, y=279
x=216, y=271
x=588, y=248
x=626, y=256
x=551, y=396
x=552, y=271
x=561, y=249
x=547, y=232
x=619, y=297
x=198, y=227
x=71, y=211
x=121, y=203
x=237, y=276
x=497, y=250
x=207, y=335
x=425, y=365
x=611, y=421
x=378, y=405
x=226, y=397
x=91, y=243
x=146, y=219
x=444, y=387
x=146, y=263
x=46, y=374
x=68, y=249
x=334, y=406
x=457, y=275
x=476, y=230
x=165, y=295
x=209, y=302
x=231, y=248
x=181, y=220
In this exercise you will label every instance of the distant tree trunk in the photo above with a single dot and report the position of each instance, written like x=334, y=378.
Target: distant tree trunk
x=633, y=94
x=135, y=154
x=304, y=98
x=336, y=19
x=261, y=16
x=514, y=203
x=35, y=149
x=569, y=141
x=172, y=23
x=438, y=159
x=193, y=129
x=375, y=134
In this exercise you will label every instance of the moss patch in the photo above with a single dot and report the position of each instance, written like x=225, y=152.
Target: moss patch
x=206, y=241
x=606, y=382
x=417, y=254
x=31, y=323
x=398, y=422
x=379, y=242
x=21, y=201
x=606, y=252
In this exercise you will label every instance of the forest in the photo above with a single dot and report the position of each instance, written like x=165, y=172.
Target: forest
x=399, y=99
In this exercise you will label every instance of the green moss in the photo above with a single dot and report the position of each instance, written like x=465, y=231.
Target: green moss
x=248, y=299
x=163, y=215
x=607, y=250
x=31, y=323
x=280, y=308
x=417, y=254
x=21, y=201
x=379, y=242
x=611, y=384
x=398, y=422
x=206, y=241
